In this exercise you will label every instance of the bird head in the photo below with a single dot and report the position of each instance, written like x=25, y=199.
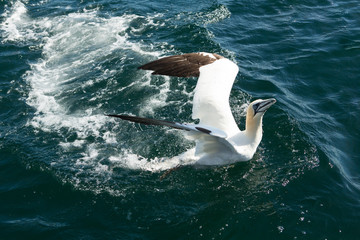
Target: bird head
x=256, y=111
x=258, y=107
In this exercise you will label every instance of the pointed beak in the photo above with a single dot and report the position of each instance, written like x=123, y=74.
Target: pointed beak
x=265, y=105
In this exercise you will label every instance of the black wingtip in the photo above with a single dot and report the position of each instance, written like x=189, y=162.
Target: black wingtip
x=113, y=115
x=146, y=121
x=204, y=130
x=122, y=116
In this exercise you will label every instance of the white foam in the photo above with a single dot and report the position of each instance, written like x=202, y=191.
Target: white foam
x=158, y=100
x=72, y=46
x=19, y=27
x=14, y=16
x=75, y=43
x=133, y=161
x=217, y=15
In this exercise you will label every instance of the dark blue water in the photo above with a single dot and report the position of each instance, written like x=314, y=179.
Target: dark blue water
x=68, y=172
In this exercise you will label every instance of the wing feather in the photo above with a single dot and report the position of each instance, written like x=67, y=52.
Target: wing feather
x=211, y=97
x=182, y=126
x=186, y=65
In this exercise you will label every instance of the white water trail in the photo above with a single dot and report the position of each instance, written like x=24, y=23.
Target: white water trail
x=72, y=46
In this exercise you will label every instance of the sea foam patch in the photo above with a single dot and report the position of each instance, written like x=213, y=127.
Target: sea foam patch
x=12, y=27
x=76, y=43
x=78, y=54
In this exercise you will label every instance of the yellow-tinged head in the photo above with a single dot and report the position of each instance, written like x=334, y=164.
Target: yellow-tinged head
x=255, y=113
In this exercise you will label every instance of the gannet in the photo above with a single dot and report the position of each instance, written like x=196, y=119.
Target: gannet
x=219, y=141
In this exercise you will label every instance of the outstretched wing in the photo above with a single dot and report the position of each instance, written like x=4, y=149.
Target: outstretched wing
x=216, y=77
x=212, y=92
x=187, y=127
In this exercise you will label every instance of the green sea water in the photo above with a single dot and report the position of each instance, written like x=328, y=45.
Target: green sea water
x=69, y=172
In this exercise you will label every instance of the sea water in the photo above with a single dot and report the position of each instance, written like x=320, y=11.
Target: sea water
x=70, y=172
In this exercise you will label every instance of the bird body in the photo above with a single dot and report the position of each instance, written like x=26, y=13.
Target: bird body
x=218, y=138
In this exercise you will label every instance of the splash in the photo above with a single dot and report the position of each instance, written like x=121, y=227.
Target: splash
x=133, y=161
x=80, y=52
x=12, y=27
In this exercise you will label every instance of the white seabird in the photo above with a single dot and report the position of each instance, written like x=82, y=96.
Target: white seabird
x=219, y=140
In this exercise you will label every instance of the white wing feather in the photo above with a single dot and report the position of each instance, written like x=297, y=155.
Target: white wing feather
x=211, y=98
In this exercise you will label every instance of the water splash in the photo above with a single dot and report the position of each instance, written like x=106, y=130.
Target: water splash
x=78, y=54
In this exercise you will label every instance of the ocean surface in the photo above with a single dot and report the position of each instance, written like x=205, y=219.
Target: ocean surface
x=69, y=172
